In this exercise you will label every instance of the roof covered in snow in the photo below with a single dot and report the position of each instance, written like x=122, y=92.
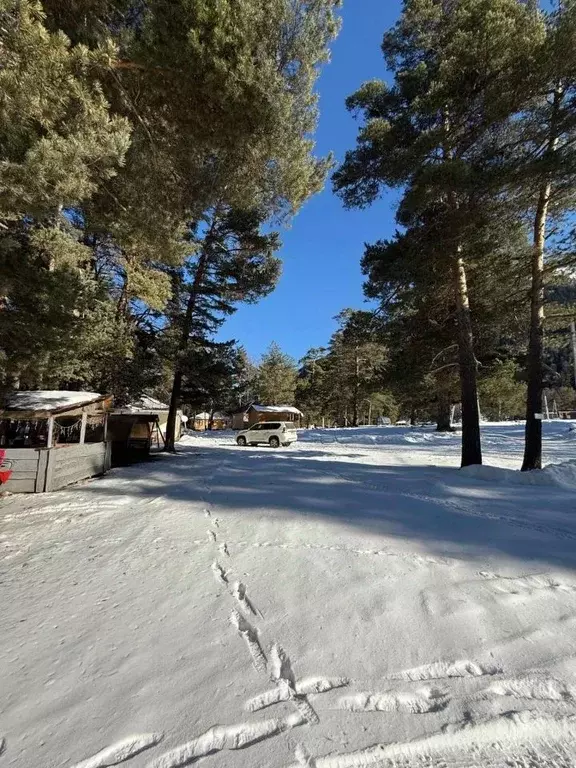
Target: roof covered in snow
x=277, y=409
x=147, y=403
x=216, y=415
x=49, y=400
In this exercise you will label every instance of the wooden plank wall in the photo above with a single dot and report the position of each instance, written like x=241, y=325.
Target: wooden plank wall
x=24, y=467
x=35, y=470
x=70, y=463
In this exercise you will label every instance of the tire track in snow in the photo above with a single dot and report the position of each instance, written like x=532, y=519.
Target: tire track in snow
x=224, y=737
x=416, y=703
x=121, y=751
x=540, y=689
x=307, y=686
x=514, y=740
x=442, y=669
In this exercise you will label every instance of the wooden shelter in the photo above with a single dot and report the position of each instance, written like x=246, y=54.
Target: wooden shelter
x=253, y=414
x=50, y=439
x=138, y=427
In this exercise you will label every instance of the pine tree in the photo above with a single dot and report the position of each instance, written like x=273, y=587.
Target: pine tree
x=459, y=70
x=539, y=149
x=231, y=262
x=276, y=377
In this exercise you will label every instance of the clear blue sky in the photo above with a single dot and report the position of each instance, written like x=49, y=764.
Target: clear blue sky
x=322, y=250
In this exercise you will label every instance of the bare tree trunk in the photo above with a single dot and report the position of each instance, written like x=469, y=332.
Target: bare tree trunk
x=471, y=445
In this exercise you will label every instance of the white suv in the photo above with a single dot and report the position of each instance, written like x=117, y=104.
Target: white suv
x=275, y=433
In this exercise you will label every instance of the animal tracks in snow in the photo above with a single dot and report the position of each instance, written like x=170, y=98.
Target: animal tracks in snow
x=224, y=737
x=416, y=703
x=219, y=573
x=511, y=585
x=121, y=751
x=442, y=669
x=250, y=635
x=281, y=672
x=239, y=592
x=223, y=548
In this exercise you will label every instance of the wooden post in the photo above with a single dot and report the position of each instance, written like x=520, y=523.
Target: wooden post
x=105, y=427
x=50, y=438
x=83, y=427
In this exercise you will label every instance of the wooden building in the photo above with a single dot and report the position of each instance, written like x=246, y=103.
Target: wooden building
x=50, y=439
x=253, y=414
x=139, y=427
x=220, y=420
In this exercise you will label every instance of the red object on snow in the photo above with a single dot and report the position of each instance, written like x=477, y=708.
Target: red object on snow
x=5, y=471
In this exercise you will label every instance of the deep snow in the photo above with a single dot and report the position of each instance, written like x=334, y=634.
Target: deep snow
x=353, y=600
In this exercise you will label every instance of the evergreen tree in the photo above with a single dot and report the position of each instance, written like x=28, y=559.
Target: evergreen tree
x=276, y=377
x=459, y=70
x=231, y=262
x=537, y=151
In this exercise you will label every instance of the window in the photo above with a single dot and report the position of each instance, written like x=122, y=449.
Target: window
x=257, y=427
x=272, y=425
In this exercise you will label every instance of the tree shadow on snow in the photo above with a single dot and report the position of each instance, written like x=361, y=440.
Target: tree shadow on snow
x=444, y=511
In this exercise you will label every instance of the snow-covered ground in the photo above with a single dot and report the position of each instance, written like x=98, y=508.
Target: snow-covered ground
x=353, y=600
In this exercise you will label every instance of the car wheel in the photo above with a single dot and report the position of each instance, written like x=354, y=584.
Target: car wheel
x=241, y=441
x=274, y=442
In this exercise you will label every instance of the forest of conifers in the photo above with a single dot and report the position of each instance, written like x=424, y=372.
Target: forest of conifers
x=150, y=149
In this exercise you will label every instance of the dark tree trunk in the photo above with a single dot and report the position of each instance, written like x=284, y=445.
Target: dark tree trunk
x=170, y=443
x=443, y=421
x=355, y=404
x=535, y=364
x=413, y=417
x=471, y=445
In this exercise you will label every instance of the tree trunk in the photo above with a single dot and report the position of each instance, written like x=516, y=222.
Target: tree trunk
x=413, y=417
x=170, y=442
x=471, y=445
x=355, y=402
x=535, y=363
x=443, y=421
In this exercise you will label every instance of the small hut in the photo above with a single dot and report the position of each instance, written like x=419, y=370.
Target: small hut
x=220, y=420
x=50, y=439
x=253, y=414
x=138, y=427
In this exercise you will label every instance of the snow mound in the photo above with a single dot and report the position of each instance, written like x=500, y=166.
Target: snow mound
x=561, y=475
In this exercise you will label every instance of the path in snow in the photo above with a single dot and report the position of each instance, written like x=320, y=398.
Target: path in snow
x=381, y=607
